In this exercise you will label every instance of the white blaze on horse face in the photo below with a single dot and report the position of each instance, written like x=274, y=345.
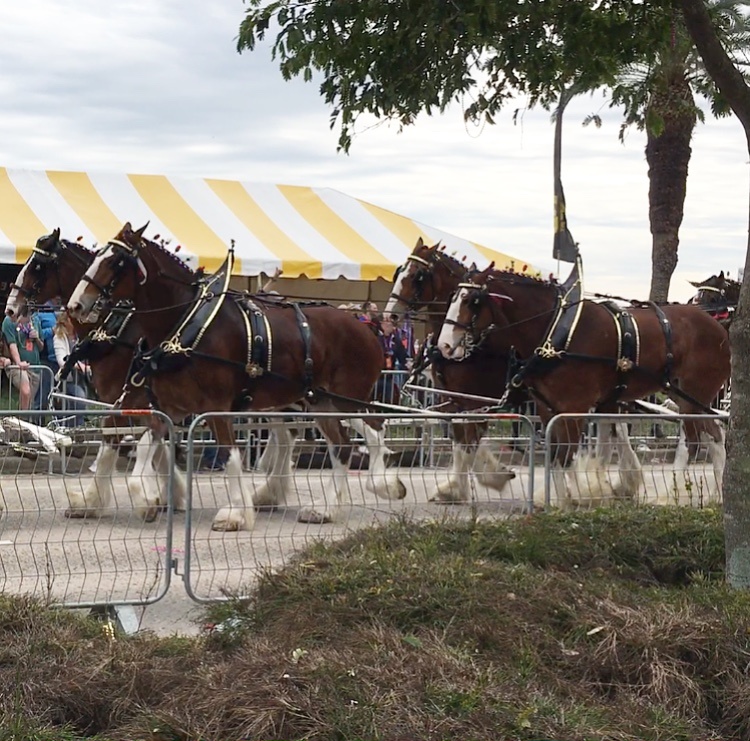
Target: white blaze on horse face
x=80, y=305
x=394, y=305
x=450, y=339
x=15, y=304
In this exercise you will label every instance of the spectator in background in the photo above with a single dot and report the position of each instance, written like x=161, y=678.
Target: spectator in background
x=370, y=310
x=64, y=341
x=395, y=359
x=47, y=322
x=24, y=341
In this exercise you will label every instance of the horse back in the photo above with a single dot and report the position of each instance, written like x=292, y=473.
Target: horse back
x=341, y=346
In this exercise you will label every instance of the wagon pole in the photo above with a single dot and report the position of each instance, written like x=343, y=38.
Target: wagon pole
x=453, y=394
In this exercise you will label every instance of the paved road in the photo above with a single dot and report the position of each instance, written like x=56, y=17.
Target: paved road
x=119, y=558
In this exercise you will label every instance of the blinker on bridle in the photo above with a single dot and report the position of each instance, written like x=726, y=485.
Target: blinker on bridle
x=427, y=265
x=130, y=255
x=481, y=289
x=45, y=258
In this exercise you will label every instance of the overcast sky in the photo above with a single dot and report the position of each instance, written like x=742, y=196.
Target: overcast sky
x=156, y=86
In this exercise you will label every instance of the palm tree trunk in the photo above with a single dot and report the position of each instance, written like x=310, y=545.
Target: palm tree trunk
x=668, y=155
x=736, y=479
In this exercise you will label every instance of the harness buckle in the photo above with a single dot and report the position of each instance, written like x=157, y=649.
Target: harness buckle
x=134, y=382
x=624, y=365
x=548, y=351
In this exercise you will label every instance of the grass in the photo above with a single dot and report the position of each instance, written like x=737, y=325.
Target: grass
x=607, y=625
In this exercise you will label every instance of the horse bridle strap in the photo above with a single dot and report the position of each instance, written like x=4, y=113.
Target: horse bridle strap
x=419, y=261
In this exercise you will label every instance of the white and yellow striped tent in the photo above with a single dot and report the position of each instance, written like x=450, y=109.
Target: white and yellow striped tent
x=312, y=232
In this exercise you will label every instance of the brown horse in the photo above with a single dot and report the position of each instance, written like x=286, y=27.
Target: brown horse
x=425, y=282
x=719, y=296
x=574, y=355
x=51, y=272
x=244, y=353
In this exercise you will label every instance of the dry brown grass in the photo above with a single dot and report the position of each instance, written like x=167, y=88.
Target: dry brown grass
x=474, y=631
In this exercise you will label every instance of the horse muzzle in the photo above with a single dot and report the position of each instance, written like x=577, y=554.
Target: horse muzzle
x=451, y=352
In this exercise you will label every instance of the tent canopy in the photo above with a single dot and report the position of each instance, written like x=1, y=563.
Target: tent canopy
x=315, y=232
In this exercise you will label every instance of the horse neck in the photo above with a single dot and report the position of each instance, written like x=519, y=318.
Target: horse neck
x=528, y=314
x=438, y=307
x=73, y=263
x=165, y=293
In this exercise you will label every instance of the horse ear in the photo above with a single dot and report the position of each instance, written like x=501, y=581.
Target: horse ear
x=140, y=231
x=420, y=243
x=56, y=233
x=694, y=283
x=721, y=275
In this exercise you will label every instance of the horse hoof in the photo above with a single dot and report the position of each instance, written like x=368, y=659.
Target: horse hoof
x=226, y=526
x=401, y=489
x=150, y=514
x=270, y=508
x=79, y=514
x=447, y=497
x=313, y=517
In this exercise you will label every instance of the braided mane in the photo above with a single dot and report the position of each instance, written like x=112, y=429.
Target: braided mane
x=525, y=278
x=451, y=260
x=79, y=245
x=161, y=244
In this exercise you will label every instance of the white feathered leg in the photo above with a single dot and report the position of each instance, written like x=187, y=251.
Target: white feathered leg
x=629, y=466
x=142, y=484
x=164, y=468
x=456, y=488
x=381, y=481
x=100, y=491
x=240, y=513
x=490, y=472
x=276, y=463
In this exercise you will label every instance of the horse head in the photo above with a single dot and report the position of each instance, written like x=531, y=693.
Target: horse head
x=47, y=273
x=476, y=308
x=112, y=276
x=427, y=278
x=716, y=293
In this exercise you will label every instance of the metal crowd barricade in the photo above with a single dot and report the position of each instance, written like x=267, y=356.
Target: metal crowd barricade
x=9, y=394
x=219, y=565
x=635, y=467
x=109, y=558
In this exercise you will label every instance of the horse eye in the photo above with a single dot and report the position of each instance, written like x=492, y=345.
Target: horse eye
x=475, y=302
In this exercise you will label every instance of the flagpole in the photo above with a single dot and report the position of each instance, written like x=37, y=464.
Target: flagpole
x=560, y=219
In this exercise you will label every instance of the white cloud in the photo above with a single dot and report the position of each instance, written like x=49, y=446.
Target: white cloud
x=158, y=87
